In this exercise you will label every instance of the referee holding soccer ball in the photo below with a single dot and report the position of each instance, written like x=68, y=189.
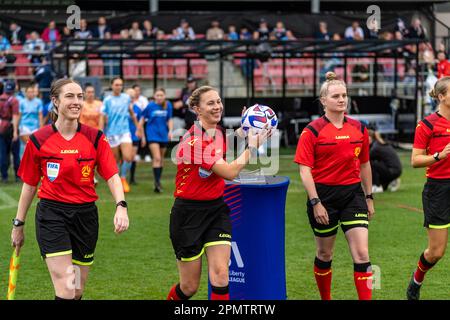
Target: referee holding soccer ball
x=62, y=158
x=199, y=220
x=333, y=155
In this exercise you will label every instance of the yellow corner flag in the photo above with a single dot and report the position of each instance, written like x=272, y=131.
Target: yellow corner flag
x=14, y=266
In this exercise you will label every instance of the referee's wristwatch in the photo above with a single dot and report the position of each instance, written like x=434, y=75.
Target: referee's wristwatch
x=122, y=203
x=313, y=201
x=17, y=222
x=369, y=196
x=436, y=156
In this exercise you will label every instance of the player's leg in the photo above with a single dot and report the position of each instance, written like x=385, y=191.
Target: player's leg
x=156, y=163
x=218, y=258
x=62, y=273
x=322, y=264
x=126, y=149
x=189, y=273
x=133, y=163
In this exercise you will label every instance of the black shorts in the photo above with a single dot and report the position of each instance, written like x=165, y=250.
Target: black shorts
x=161, y=144
x=346, y=206
x=63, y=228
x=436, y=203
x=196, y=225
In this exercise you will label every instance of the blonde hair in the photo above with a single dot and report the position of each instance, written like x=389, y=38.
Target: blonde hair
x=331, y=80
x=194, y=99
x=440, y=87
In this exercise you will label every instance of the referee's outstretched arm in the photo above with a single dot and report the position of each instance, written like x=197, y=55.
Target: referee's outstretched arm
x=121, y=221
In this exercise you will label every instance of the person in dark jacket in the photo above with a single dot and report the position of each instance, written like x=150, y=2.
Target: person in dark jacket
x=44, y=77
x=385, y=163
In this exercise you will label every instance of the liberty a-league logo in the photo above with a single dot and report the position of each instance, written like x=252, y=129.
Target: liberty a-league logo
x=237, y=255
x=52, y=170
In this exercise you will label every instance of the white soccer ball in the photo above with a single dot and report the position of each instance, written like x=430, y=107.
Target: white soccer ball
x=257, y=117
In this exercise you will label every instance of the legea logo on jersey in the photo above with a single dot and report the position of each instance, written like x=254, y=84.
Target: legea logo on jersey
x=52, y=170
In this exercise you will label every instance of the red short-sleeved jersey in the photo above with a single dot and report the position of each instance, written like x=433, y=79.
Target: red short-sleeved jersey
x=196, y=154
x=66, y=167
x=334, y=154
x=433, y=134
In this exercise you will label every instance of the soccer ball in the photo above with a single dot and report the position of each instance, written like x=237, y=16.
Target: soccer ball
x=257, y=116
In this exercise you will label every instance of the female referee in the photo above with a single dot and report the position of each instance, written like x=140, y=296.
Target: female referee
x=431, y=149
x=63, y=156
x=333, y=156
x=199, y=220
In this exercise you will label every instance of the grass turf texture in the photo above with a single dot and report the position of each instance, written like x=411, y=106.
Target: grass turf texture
x=140, y=263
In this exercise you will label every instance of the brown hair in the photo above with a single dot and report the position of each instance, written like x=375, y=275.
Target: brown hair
x=55, y=91
x=440, y=87
x=331, y=80
x=163, y=91
x=376, y=136
x=194, y=99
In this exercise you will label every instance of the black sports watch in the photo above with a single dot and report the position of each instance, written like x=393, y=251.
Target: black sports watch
x=17, y=222
x=314, y=201
x=436, y=156
x=369, y=196
x=122, y=203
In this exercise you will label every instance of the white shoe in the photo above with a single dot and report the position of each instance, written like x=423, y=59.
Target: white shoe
x=377, y=189
x=394, y=185
x=137, y=158
x=147, y=158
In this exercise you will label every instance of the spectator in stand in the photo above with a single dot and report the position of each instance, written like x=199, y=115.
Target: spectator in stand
x=66, y=33
x=323, y=33
x=17, y=36
x=35, y=47
x=263, y=32
x=51, y=35
x=184, y=31
x=245, y=34
x=354, y=32
x=84, y=32
x=160, y=35
x=9, y=142
x=372, y=31
x=149, y=32
x=443, y=66
x=101, y=30
x=401, y=27
x=290, y=35
x=4, y=43
x=44, y=76
x=232, y=33
x=135, y=32
x=416, y=30
x=215, y=32
x=280, y=32
x=124, y=34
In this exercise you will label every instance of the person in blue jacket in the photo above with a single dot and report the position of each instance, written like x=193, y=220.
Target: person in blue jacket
x=158, y=130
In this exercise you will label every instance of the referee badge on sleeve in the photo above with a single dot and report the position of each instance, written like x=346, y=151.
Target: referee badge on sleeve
x=52, y=170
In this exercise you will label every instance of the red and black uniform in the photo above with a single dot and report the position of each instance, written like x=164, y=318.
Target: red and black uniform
x=199, y=217
x=335, y=156
x=66, y=216
x=433, y=134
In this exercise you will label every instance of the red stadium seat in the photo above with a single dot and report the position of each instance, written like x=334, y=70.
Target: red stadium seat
x=130, y=69
x=96, y=67
x=180, y=66
x=22, y=66
x=165, y=68
x=199, y=68
x=146, y=68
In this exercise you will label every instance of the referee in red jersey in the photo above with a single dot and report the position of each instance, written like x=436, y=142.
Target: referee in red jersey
x=199, y=220
x=333, y=156
x=62, y=158
x=431, y=149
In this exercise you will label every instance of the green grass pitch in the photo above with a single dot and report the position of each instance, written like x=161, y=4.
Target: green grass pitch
x=140, y=264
